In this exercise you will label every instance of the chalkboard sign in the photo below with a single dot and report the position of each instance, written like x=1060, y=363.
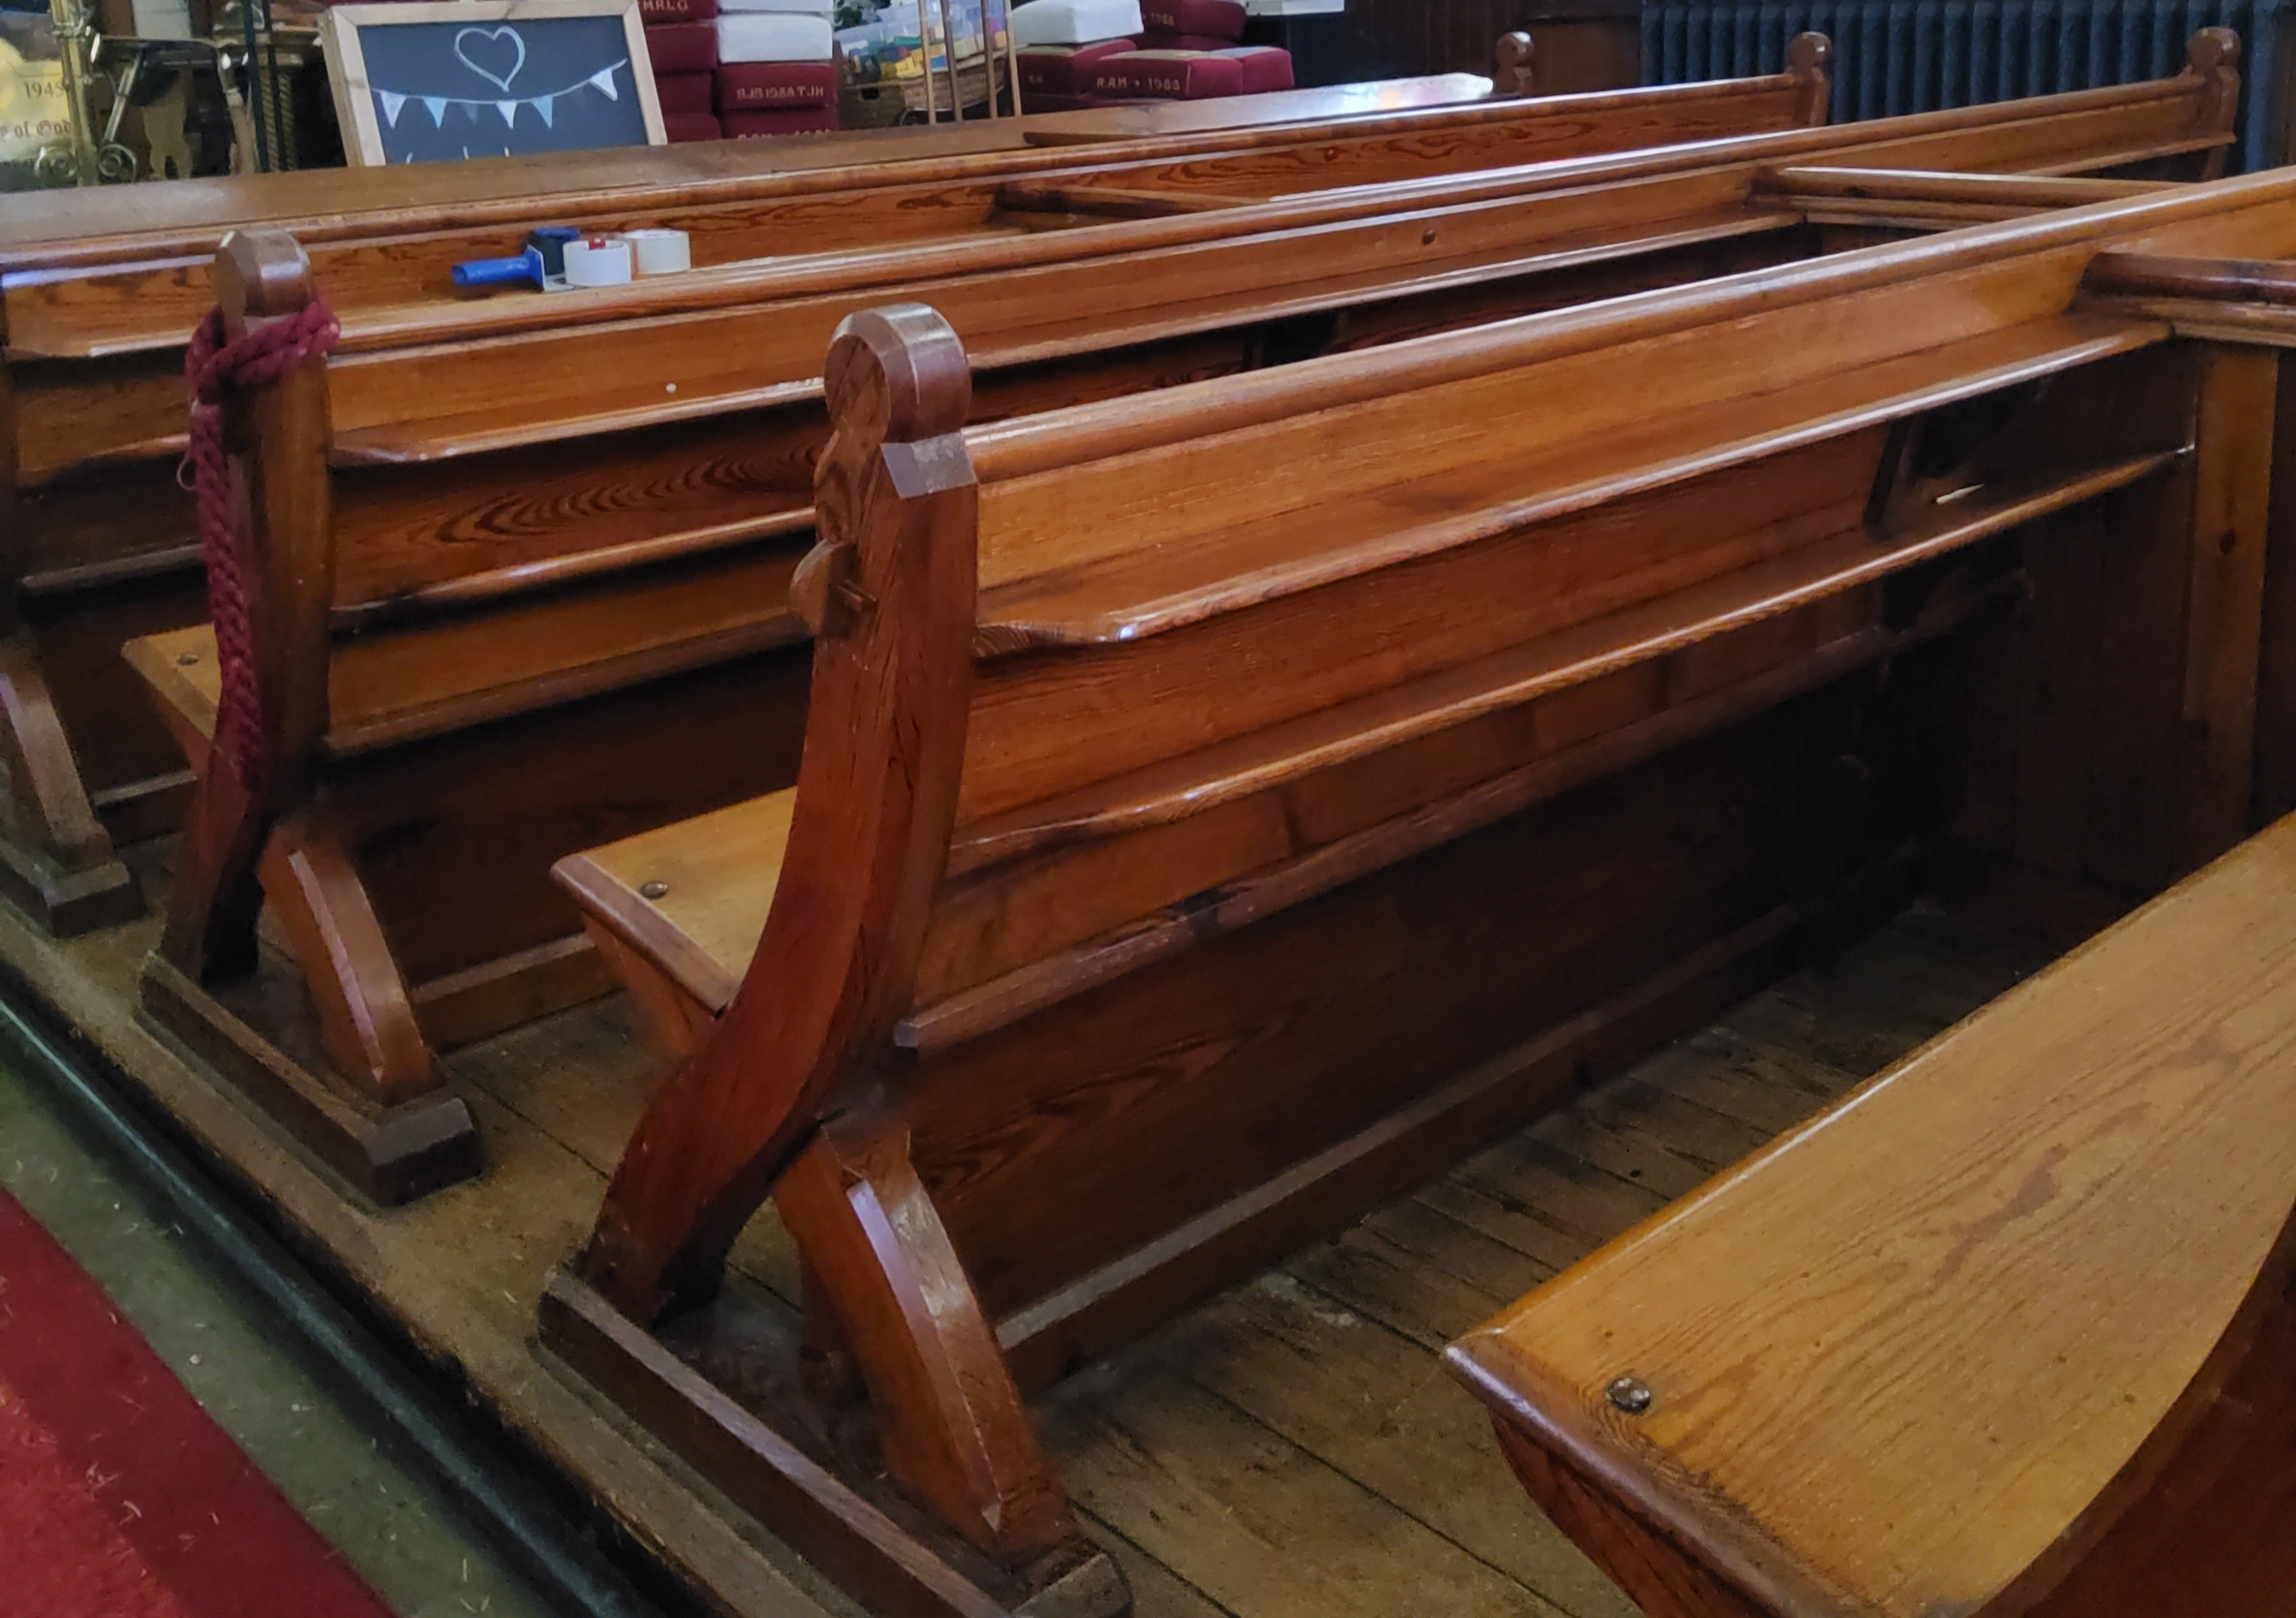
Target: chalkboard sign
x=427, y=83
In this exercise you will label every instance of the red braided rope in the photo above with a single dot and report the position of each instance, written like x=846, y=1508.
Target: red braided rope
x=214, y=367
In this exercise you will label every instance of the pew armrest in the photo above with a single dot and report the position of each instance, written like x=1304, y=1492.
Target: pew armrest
x=185, y=681
x=688, y=900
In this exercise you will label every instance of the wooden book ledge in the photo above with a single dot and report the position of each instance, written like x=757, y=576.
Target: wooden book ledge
x=2009, y=1331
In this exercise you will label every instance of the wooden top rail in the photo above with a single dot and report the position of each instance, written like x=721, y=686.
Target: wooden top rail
x=2231, y=299
x=1929, y=185
x=1930, y=1352
x=62, y=230
x=53, y=317
x=1406, y=429
x=2144, y=275
x=1118, y=270
x=393, y=260
x=1956, y=134
x=328, y=206
x=2041, y=258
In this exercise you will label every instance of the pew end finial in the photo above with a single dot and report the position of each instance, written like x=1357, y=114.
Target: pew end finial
x=2213, y=56
x=1809, y=58
x=2212, y=51
x=903, y=360
x=260, y=274
x=1517, y=57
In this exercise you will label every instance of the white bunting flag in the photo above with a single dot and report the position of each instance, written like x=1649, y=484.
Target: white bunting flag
x=509, y=109
x=543, y=104
x=436, y=106
x=391, y=104
x=603, y=80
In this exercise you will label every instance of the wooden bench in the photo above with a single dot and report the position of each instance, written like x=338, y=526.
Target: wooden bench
x=466, y=605
x=1159, y=889
x=146, y=575
x=2012, y=1330
x=96, y=300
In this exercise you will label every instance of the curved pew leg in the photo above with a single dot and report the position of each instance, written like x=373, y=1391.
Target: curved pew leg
x=61, y=864
x=388, y=1123
x=952, y=1425
x=365, y=1016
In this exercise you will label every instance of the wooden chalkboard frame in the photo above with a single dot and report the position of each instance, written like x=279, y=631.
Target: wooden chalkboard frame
x=346, y=61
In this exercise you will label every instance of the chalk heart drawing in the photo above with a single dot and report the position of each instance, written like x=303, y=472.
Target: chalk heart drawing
x=494, y=55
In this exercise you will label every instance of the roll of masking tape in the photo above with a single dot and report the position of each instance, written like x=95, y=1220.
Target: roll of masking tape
x=597, y=261
x=659, y=252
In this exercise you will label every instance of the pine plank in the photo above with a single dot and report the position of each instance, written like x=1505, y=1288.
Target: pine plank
x=1252, y=1520
x=1581, y=1201
x=1376, y=1406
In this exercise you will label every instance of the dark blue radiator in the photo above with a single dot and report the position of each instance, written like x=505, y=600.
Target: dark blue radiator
x=1894, y=56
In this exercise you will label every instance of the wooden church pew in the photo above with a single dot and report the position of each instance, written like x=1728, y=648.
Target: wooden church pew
x=96, y=301
x=2011, y=1330
x=97, y=580
x=474, y=619
x=1373, y=766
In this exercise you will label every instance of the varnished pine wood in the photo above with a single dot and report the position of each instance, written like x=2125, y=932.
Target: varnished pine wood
x=2104, y=1250
x=1296, y=975
x=210, y=925
x=897, y=490
x=953, y=1428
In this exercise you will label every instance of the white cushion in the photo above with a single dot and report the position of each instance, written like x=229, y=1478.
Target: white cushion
x=773, y=36
x=1074, y=22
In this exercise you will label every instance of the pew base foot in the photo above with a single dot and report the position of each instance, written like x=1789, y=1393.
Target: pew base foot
x=392, y=1153
x=720, y=1388
x=67, y=903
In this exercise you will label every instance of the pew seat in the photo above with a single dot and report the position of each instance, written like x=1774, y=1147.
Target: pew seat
x=181, y=667
x=2009, y=1330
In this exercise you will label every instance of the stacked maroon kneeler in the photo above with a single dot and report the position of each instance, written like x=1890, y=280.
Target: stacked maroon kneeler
x=682, y=42
x=1192, y=75
x=777, y=97
x=686, y=94
x=682, y=48
x=1168, y=20
x=1053, y=77
x=1266, y=67
x=798, y=121
x=776, y=87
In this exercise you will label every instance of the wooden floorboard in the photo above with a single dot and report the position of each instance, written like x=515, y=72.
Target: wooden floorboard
x=1333, y=1359
x=1291, y=1450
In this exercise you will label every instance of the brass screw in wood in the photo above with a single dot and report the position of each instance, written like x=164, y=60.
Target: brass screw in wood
x=655, y=890
x=1630, y=1394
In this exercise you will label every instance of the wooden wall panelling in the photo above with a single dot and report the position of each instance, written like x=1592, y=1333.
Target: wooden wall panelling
x=2276, y=671
x=1582, y=44
x=2234, y=440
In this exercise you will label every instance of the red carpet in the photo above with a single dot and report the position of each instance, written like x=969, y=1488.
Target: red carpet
x=118, y=1497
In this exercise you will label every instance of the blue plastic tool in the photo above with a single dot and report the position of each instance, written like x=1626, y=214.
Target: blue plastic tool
x=542, y=263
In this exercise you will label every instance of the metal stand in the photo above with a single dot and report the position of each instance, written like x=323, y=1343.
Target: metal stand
x=83, y=160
